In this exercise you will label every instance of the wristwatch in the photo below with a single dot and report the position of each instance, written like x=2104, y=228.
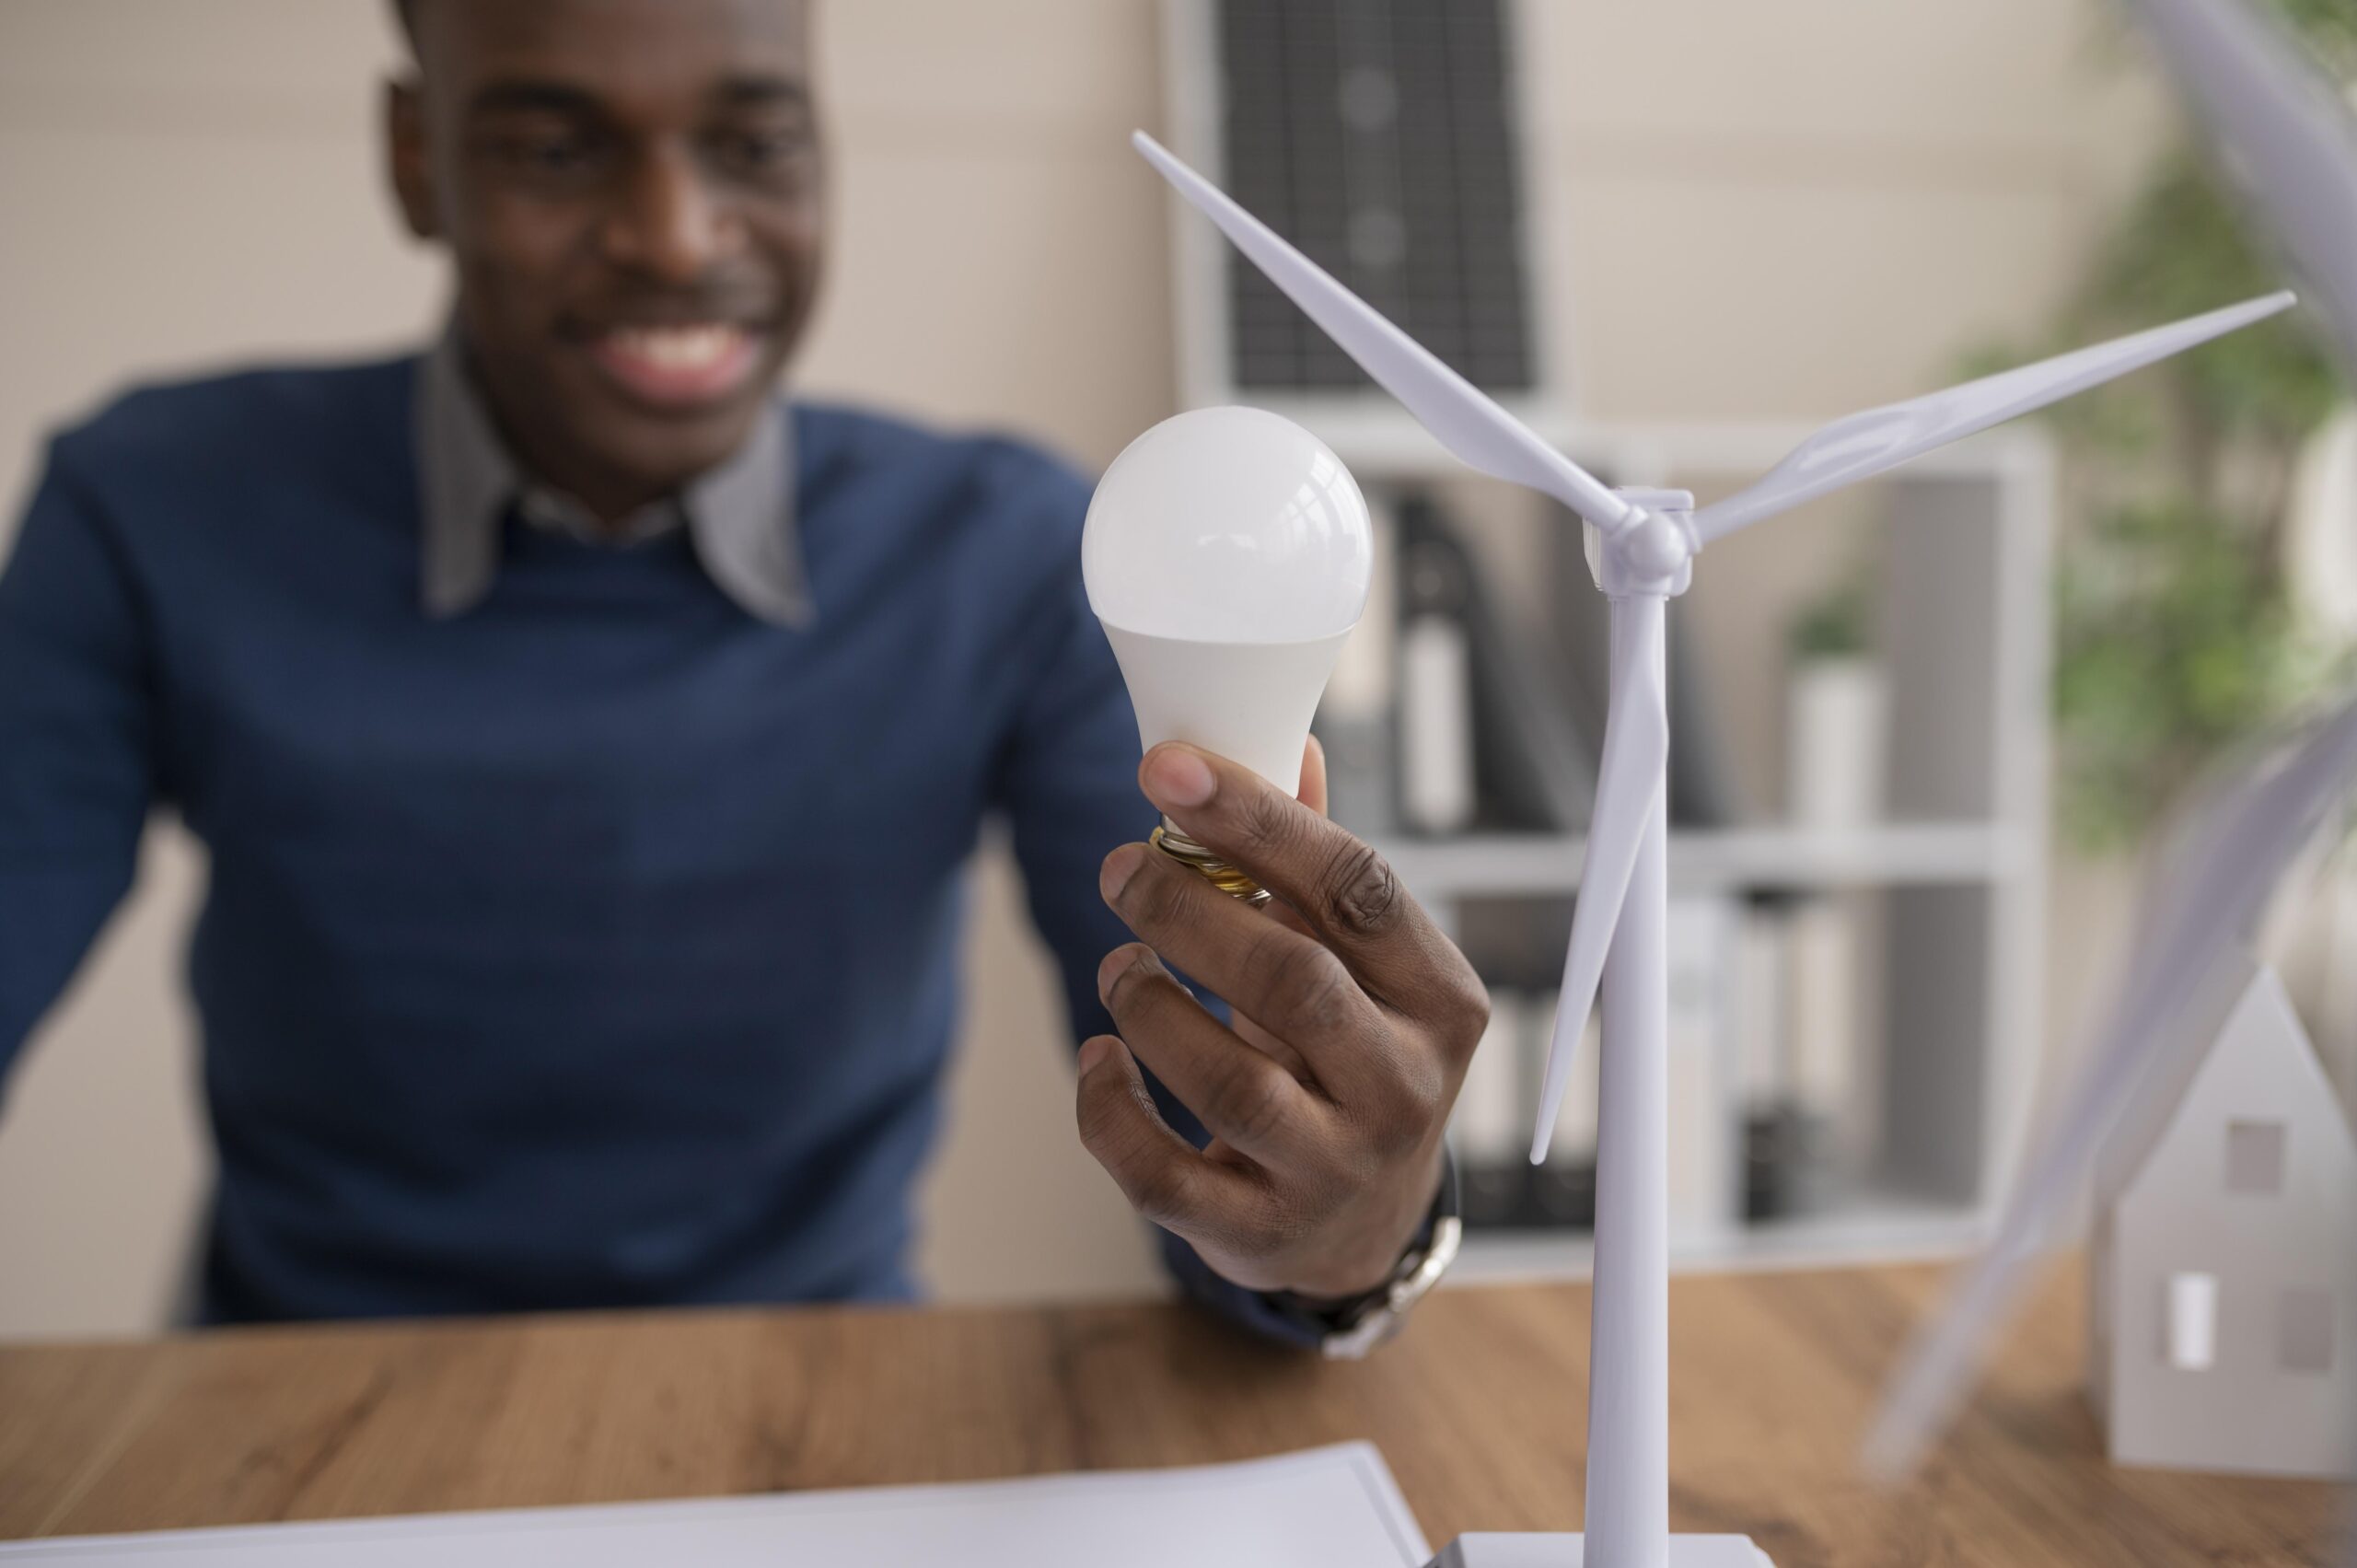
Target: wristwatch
x=1349, y=1329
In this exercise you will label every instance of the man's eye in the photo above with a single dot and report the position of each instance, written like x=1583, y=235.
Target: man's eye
x=559, y=156
x=762, y=154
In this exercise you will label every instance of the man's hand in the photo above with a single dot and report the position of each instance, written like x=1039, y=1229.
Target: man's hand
x=1354, y=1019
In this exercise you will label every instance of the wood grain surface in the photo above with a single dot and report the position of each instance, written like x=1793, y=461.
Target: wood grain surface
x=1479, y=1408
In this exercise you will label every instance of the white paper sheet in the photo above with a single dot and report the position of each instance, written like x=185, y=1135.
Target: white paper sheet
x=1333, y=1507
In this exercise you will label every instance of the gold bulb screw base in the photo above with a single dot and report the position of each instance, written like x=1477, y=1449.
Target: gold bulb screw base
x=1209, y=867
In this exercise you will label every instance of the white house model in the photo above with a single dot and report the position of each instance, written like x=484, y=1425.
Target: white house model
x=2223, y=1326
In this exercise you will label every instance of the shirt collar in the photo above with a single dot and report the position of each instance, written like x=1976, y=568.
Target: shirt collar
x=740, y=515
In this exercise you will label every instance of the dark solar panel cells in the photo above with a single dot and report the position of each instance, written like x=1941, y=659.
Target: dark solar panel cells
x=1377, y=136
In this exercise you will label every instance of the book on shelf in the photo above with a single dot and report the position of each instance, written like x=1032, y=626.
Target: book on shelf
x=1828, y=1002
x=1808, y=1089
x=1499, y=1102
x=1489, y=1130
x=1563, y=1195
x=1506, y=749
x=1436, y=661
x=1357, y=717
x=1705, y=1024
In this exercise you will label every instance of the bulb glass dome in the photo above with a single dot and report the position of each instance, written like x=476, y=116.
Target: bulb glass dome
x=1228, y=524
x=1228, y=554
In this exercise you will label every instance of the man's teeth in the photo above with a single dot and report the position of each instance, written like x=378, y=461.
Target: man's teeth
x=677, y=348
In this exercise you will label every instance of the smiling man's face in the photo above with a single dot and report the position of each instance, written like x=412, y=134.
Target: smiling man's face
x=632, y=191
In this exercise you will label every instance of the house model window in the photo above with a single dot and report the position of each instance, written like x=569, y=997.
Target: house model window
x=2193, y=1323
x=2255, y=1158
x=2304, y=1331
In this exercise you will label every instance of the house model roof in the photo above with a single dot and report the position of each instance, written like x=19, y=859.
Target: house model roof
x=2241, y=1008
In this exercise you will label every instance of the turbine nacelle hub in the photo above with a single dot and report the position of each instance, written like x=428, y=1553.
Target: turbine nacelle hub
x=1652, y=554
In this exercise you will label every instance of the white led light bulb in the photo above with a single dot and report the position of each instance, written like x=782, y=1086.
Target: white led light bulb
x=1227, y=554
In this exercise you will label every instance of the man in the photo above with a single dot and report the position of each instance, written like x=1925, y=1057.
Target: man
x=588, y=746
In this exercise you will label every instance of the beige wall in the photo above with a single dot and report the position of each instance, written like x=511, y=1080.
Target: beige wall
x=1762, y=210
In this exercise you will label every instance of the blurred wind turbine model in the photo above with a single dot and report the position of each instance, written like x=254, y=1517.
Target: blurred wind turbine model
x=2289, y=141
x=2286, y=136
x=2220, y=880
x=1643, y=544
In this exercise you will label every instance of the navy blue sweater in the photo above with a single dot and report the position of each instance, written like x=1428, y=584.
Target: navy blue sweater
x=596, y=946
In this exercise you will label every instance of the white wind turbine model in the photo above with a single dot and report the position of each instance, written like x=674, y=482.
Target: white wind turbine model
x=1643, y=544
x=2289, y=141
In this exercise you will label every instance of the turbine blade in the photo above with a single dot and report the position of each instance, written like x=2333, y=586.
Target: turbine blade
x=1867, y=443
x=1460, y=415
x=1633, y=774
x=2219, y=890
x=2287, y=139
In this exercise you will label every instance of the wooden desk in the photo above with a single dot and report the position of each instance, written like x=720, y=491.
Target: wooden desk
x=1480, y=1410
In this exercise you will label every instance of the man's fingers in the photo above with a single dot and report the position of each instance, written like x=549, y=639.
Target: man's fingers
x=1290, y=984
x=1341, y=888
x=1165, y=1177
x=1241, y=1096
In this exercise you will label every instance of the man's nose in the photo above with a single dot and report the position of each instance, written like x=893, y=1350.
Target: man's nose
x=665, y=222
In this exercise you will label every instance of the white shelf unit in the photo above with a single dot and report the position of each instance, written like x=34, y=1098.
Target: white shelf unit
x=1959, y=866
x=1873, y=1227
x=1716, y=859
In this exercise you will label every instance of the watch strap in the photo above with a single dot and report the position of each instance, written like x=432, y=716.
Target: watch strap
x=1350, y=1328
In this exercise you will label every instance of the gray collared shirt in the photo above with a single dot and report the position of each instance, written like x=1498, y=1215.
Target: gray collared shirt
x=740, y=515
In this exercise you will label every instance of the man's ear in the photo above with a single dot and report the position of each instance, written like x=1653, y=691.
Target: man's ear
x=406, y=160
